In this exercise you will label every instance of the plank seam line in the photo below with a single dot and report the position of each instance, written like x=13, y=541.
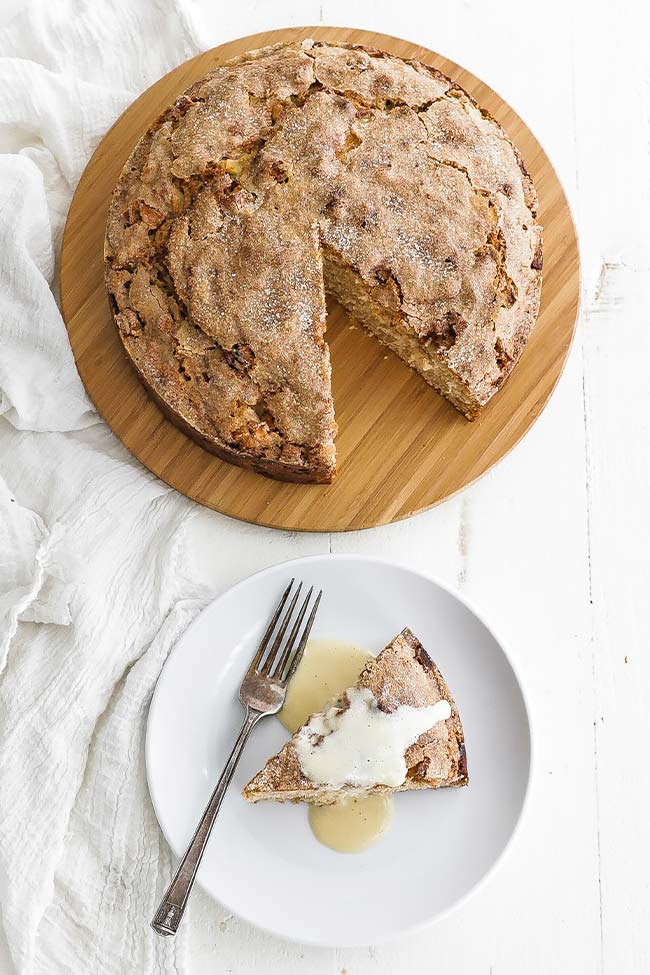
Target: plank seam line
x=592, y=638
x=589, y=513
x=462, y=542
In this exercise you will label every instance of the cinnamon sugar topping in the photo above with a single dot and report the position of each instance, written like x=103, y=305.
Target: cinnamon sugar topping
x=304, y=168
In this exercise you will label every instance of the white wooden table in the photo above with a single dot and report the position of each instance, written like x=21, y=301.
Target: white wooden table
x=553, y=544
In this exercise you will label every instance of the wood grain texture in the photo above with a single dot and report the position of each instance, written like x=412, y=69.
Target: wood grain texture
x=401, y=447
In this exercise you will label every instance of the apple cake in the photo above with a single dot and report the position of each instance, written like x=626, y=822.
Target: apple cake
x=388, y=733
x=302, y=169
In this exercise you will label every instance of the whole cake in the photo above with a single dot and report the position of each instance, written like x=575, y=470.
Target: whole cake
x=302, y=169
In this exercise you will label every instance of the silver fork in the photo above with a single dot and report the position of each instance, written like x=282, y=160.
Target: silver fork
x=262, y=692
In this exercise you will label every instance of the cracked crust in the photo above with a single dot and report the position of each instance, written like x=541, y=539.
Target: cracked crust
x=403, y=673
x=303, y=168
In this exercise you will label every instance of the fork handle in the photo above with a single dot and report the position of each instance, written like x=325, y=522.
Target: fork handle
x=172, y=907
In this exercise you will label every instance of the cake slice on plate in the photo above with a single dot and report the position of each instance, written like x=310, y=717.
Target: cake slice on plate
x=397, y=728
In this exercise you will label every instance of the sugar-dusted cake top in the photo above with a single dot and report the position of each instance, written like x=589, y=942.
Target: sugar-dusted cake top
x=277, y=166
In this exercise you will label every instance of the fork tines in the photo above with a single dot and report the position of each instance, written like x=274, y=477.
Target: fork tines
x=283, y=656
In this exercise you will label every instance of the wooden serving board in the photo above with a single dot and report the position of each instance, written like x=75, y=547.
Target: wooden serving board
x=401, y=447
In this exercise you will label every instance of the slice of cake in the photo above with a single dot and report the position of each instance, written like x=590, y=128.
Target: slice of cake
x=397, y=728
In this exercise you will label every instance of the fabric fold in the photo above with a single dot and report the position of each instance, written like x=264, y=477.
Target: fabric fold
x=28, y=592
x=96, y=582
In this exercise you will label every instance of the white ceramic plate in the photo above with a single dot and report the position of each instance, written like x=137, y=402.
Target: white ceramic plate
x=262, y=861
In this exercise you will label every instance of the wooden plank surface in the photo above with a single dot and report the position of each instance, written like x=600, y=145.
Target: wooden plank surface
x=615, y=216
x=401, y=447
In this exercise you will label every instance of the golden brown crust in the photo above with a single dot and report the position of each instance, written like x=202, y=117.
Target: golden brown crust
x=315, y=473
x=403, y=673
x=218, y=227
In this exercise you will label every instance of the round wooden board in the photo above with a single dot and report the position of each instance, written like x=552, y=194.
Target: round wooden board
x=401, y=448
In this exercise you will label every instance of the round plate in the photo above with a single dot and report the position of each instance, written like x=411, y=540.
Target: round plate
x=262, y=861
x=401, y=447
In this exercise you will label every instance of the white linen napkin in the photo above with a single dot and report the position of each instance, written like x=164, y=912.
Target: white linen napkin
x=94, y=580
